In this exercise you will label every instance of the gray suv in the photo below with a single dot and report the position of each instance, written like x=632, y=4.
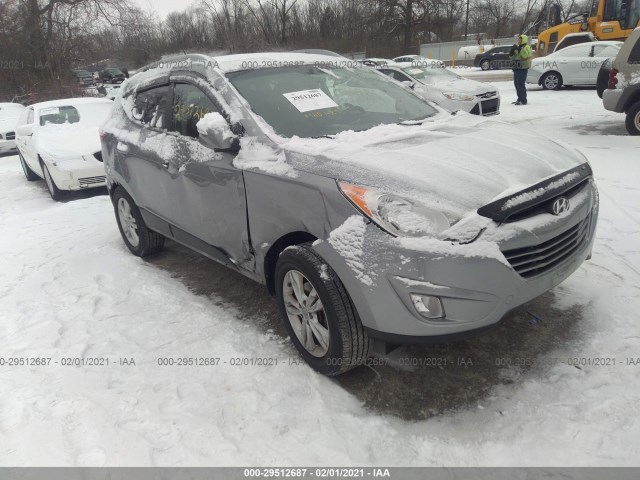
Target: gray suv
x=374, y=217
x=623, y=92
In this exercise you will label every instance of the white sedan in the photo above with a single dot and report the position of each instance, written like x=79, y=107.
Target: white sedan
x=432, y=81
x=9, y=114
x=59, y=142
x=575, y=65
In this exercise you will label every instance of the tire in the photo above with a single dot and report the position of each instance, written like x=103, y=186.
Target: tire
x=485, y=65
x=140, y=241
x=54, y=191
x=551, y=81
x=28, y=173
x=632, y=122
x=346, y=344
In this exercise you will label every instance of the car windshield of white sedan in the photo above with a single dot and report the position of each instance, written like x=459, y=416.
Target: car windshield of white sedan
x=309, y=101
x=430, y=73
x=87, y=114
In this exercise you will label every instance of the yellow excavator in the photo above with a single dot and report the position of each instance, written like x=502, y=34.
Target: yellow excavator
x=607, y=20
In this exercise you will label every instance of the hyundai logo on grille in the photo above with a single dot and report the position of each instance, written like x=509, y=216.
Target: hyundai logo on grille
x=561, y=205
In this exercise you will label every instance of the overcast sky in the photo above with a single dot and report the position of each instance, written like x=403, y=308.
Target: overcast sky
x=163, y=7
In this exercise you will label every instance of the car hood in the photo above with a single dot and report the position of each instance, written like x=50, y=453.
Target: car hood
x=69, y=140
x=455, y=164
x=461, y=85
x=8, y=124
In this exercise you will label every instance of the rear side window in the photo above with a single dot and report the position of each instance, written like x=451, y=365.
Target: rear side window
x=151, y=107
x=634, y=56
x=190, y=104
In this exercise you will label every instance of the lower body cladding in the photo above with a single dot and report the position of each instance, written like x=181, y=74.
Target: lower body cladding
x=428, y=291
x=77, y=174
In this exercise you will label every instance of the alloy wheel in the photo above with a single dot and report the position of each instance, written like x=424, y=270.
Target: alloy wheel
x=128, y=222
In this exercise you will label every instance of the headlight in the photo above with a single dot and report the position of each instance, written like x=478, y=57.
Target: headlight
x=396, y=215
x=458, y=96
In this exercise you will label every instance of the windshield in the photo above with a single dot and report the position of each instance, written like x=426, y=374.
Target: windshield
x=309, y=101
x=430, y=73
x=114, y=71
x=88, y=114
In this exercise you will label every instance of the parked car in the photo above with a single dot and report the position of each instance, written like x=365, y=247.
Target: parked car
x=574, y=65
x=9, y=114
x=112, y=75
x=494, y=58
x=373, y=216
x=85, y=78
x=411, y=59
x=59, y=142
x=374, y=62
x=623, y=92
x=434, y=82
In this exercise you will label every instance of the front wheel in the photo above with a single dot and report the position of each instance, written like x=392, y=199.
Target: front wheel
x=485, y=65
x=137, y=237
x=552, y=81
x=632, y=121
x=54, y=191
x=28, y=173
x=318, y=313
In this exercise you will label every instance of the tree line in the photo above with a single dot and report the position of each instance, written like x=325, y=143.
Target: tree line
x=43, y=40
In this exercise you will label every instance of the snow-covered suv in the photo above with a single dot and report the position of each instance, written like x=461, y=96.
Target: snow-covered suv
x=623, y=92
x=373, y=216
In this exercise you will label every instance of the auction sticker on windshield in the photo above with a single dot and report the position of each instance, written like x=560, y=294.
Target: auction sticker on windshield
x=308, y=100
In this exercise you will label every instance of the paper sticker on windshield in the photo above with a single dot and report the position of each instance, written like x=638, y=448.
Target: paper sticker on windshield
x=50, y=111
x=308, y=100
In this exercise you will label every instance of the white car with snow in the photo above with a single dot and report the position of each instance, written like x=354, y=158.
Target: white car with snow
x=434, y=82
x=59, y=141
x=9, y=114
x=574, y=65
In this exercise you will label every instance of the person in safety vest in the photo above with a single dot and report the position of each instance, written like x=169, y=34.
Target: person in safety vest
x=521, y=54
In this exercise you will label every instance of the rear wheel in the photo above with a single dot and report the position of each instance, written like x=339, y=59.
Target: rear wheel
x=54, y=191
x=551, y=81
x=632, y=121
x=318, y=313
x=28, y=173
x=137, y=237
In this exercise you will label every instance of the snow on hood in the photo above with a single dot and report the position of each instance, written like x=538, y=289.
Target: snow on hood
x=453, y=164
x=446, y=83
x=67, y=140
x=9, y=118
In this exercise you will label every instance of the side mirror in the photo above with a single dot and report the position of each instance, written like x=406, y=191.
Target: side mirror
x=409, y=84
x=25, y=130
x=216, y=133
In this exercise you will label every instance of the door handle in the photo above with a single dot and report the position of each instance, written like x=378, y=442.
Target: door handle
x=122, y=147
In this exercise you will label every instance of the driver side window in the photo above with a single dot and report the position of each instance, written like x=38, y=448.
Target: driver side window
x=190, y=104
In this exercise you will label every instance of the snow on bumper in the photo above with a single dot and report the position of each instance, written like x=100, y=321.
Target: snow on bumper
x=7, y=145
x=476, y=284
x=77, y=174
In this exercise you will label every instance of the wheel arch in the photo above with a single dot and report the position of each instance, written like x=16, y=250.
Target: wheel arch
x=271, y=257
x=632, y=100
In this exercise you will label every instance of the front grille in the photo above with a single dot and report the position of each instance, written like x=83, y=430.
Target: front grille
x=490, y=107
x=10, y=136
x=92, y=180
x=487, y=95
x=538, y=259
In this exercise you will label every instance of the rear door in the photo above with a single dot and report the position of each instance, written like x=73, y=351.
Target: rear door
x=573, y=63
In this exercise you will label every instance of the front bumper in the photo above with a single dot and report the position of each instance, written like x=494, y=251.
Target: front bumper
x=77, y=174
x=7, y=146
x=476, y=285
x=611, y=99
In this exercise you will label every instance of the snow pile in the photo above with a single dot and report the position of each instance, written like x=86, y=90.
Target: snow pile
x=348, y=241
x=256, y=155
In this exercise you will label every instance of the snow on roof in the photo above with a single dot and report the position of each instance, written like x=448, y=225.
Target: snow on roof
x=11, y=105
x=244, y=61
x=70, y=101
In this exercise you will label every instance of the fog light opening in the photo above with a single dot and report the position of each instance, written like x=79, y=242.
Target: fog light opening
x=428, y=306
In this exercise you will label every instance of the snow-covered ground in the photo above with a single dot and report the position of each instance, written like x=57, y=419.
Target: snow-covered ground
x=69, y=288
